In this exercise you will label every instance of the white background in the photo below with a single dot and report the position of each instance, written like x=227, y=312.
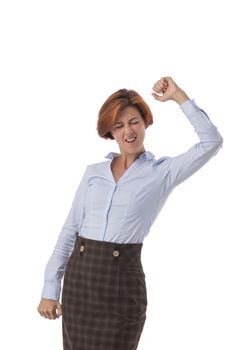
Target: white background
x=60, y=60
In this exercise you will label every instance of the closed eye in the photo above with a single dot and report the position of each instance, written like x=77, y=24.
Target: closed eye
x=119, y=126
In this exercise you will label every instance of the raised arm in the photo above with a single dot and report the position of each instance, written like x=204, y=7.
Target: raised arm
x=179, y=168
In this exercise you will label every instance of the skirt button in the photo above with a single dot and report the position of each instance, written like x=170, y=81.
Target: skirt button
x=116, y=253
x=82, y=248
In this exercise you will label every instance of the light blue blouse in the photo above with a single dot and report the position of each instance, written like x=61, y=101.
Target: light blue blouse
x=124, y=211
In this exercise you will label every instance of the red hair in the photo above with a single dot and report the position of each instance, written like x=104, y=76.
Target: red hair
x=115, y=104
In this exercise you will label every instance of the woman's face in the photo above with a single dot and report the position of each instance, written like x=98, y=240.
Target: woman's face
x=129, y=126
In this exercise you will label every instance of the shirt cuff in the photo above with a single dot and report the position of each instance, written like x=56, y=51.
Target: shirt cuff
x=189, y=106
x=51, y=291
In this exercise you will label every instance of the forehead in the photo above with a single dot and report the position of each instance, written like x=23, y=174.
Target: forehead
x=128, y=113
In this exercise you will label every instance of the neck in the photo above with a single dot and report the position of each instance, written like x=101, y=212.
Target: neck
x=125, y=160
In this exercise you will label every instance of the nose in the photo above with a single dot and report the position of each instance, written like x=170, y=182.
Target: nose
x=128, y=128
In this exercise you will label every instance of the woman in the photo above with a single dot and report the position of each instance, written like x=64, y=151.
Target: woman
x=104, y=297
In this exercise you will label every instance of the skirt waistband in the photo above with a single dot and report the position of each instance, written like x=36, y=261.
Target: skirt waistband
x=123, y=251
x=108, y=243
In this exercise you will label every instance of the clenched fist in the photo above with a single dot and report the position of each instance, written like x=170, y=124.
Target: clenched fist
x=166, y=89
x=50, y=309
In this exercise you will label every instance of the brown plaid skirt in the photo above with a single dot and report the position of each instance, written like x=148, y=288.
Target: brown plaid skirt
x=104, y=297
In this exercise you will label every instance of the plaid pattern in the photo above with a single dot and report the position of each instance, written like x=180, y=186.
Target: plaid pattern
x=104, y=296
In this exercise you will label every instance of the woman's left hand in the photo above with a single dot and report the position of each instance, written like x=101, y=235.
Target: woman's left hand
x=166, y=89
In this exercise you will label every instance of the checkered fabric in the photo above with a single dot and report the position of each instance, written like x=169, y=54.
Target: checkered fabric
x=104, y=297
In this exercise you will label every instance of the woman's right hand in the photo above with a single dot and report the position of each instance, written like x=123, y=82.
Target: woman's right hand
x=49, y=308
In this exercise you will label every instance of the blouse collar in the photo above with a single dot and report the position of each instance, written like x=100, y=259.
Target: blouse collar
x=147, y=154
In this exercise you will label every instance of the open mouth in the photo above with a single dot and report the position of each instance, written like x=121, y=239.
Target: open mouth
x=130, y=140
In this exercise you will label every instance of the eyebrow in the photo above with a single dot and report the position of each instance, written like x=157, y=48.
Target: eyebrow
x=129, y=120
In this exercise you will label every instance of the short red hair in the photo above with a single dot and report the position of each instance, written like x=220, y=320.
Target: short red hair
x=115, y=104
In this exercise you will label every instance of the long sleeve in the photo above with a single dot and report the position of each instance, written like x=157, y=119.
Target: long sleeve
x=65, y=243
x=184, y=165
